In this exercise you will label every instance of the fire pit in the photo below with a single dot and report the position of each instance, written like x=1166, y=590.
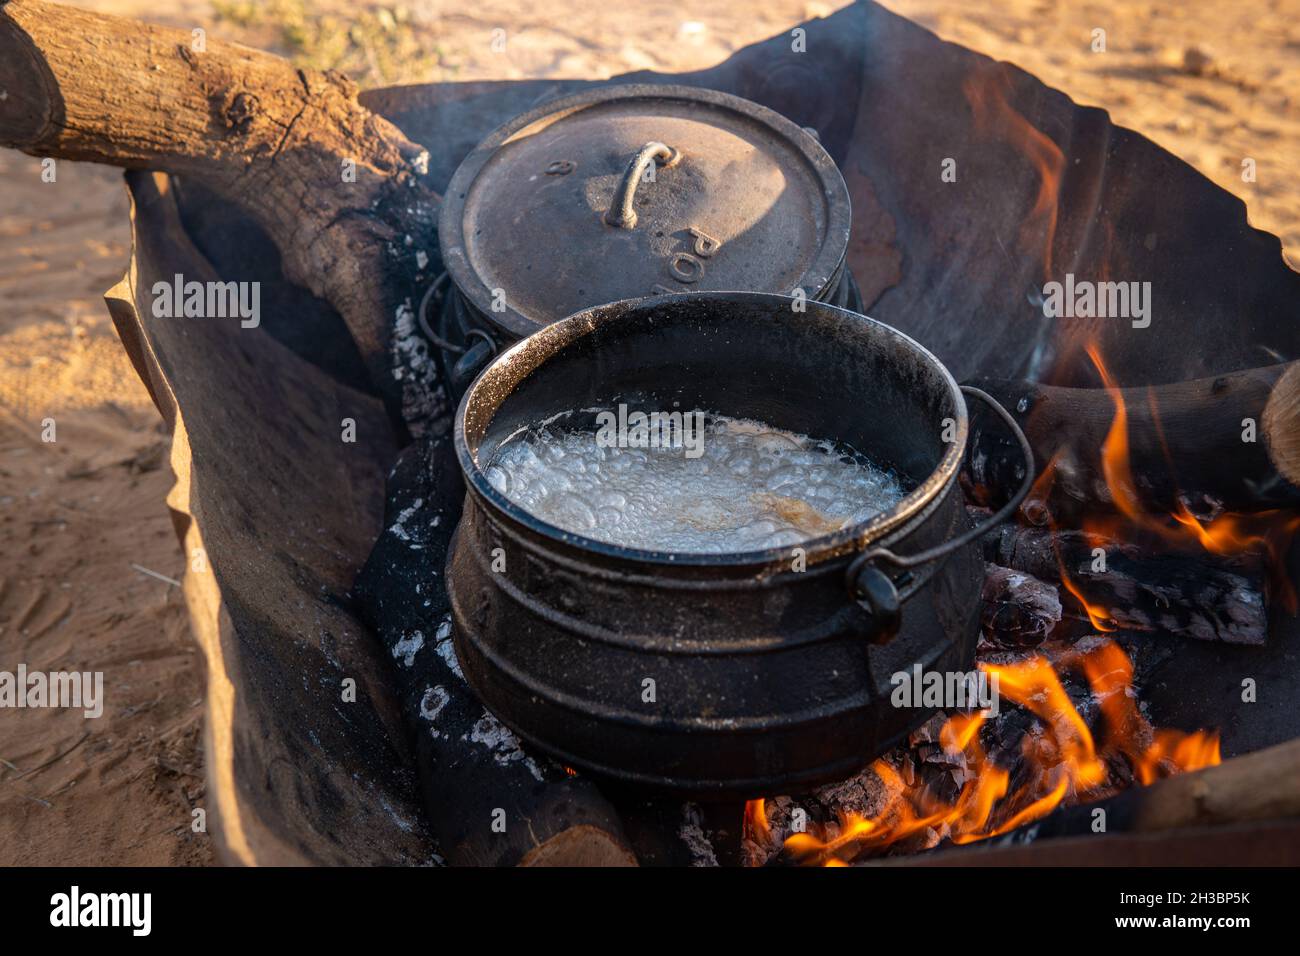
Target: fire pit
x=719, y=673
x=1138, y=423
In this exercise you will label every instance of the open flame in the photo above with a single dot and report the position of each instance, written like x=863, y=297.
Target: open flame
x=995, y=117
x=1065, y=759
x=1065, y=762
x=1266, y=532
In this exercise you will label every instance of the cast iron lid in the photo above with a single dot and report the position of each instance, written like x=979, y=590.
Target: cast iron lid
x=628, y=191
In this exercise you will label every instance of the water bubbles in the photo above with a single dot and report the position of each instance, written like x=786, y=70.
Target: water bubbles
x=776, y=443
x=499, y=479
x=788, y=475
x=610, y=498
x=741, y=463
x=785, y=538
x=752, y=488
x=570, y=512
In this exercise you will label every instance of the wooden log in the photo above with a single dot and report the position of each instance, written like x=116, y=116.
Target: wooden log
x=1282, y=424
x=1202, y=596
x=1184, y=439
x=491, y=802
x=1263, y=785
x=1019, y=610
x=339, y=189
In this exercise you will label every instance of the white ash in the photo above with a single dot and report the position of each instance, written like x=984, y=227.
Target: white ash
x=419, y=163
x=406, y=648
x=424, y=401
x=501, y=741
x=697, y=841
x=431, y=705
x=446, y=649
x=398, y=527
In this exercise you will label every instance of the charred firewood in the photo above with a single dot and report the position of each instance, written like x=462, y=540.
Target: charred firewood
x=1019, y=610
x=1229, y=438
x=1264, y=785
x=665, y=832
x=1197, y=595
x=490, y=801
x=924, y=765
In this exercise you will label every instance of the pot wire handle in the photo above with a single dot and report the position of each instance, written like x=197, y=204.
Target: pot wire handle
x=621, y=213
x=862, y=569
x=981, y=529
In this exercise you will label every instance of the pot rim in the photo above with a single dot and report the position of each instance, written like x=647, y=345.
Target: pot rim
x=534, y=351
x=830, y=257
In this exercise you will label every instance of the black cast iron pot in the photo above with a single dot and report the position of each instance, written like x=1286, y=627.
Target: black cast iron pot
x=764, y=677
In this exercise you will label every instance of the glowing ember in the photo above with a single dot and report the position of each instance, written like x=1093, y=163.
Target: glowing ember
x=1063, y=758
x=1063, y=763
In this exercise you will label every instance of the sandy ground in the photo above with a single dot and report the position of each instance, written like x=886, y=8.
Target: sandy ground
x=80, y=517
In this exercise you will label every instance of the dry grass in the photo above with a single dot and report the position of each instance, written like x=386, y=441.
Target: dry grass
x=375, y=44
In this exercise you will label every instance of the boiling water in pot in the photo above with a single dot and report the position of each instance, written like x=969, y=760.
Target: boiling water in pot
x=715, y=485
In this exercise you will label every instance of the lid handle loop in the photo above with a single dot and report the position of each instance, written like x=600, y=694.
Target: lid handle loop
x=621, y=213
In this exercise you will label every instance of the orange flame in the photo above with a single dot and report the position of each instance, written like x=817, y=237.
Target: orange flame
x=1036, y=511
x=756, y=820
x=1114, y=450
x=1098, y=616
x=1064, y=762
x=995, y=116
x=1267, y=532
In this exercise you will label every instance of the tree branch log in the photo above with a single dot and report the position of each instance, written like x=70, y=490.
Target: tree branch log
x=1200, y=596
x=1186, y=438
x=1264, y=785
x=338, y=188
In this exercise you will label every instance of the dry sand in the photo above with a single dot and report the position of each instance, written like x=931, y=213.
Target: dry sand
x=1214, y=82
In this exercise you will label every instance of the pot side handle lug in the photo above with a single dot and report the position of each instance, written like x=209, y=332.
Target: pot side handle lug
x=878, y=594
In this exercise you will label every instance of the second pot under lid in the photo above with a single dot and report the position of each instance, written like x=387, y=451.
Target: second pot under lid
x=628, y=191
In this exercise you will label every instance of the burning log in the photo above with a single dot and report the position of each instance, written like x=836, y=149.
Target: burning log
x=778, y=830
x=337, y=188
x=1189, y=439
x=1019, y=609
x=1282, y=424
x=1263, y=785
x=1069, y=729
x=1202, y=596
x=490, y=801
